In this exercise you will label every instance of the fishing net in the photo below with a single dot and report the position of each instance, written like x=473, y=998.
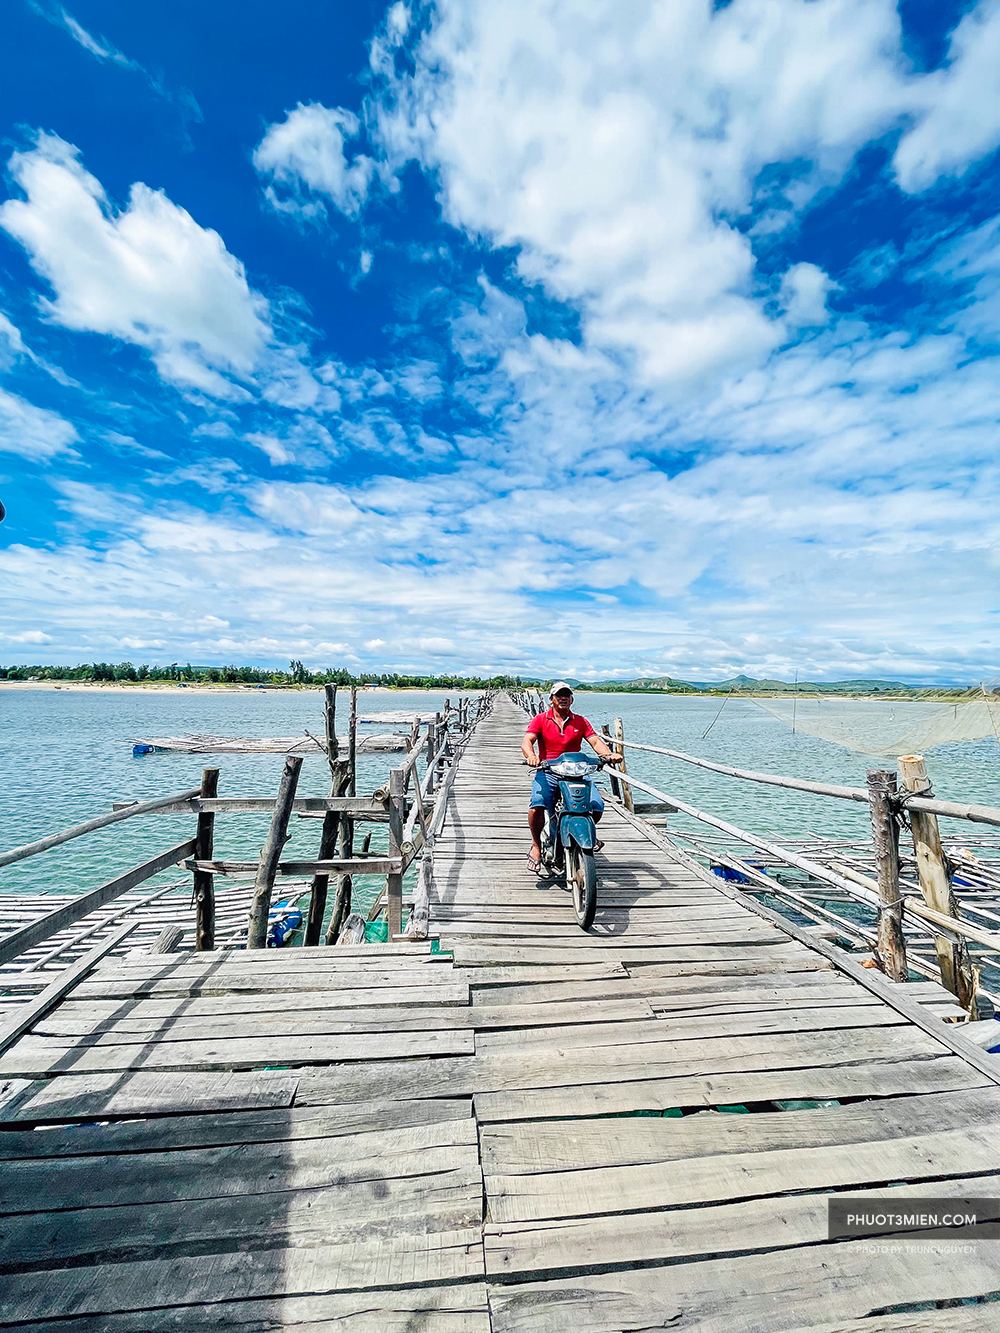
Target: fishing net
x=887, y=727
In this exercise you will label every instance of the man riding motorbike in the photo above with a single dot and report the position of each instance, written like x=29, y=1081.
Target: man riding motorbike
x=556, y=732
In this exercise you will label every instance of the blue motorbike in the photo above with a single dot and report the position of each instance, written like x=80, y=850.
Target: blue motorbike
x=569, y=836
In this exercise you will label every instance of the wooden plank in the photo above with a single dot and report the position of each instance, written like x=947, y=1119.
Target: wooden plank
x=873, y=1078
x=247, y=983
x=770, y=1291
x=347, y=1262
x=403, y=1018
x=590, y=1192
x=681, y=1028
x=702, y=1065
x=211, y=1129
x=133, y=1179
x=45, y=926
x=434, y=1309
x=225, y=1004
x=93, y=1096
x=565, y=1247
x=28, y=1014
x=36, y=1057
x=523, y=1148
x=473, y=955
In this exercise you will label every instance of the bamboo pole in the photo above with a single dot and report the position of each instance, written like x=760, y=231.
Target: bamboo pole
x=204, y=884
x=885, y=830
x=270, y=853
x=935, y=883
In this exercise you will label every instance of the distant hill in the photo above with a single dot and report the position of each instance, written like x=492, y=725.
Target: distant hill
x=743, y=684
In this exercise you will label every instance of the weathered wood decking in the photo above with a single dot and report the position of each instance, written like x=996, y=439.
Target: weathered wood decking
x=391, y=1138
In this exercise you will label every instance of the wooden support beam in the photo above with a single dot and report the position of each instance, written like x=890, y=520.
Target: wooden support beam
x=885, y=831
x=935, y=883
x=204, y=884
x=69, y=913
x=356, y=865
x=89, y=826
x=267, y=868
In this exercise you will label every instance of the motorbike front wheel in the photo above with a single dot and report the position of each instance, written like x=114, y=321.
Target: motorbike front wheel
x=581, y=875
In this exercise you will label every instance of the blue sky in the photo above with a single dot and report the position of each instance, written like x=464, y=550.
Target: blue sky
x=590, y=339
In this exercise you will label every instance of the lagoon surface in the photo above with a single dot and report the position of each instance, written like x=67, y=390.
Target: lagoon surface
x=66, y=755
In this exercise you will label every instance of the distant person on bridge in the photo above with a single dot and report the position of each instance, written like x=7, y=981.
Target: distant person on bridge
x=556, y=732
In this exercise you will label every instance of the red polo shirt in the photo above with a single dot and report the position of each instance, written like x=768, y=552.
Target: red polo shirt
x=554, y=738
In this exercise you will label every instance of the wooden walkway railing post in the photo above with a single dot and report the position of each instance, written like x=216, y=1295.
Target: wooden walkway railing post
x=204, y=881
x=935, y=883
x=627, y=798
x=394, y=881
x=270, y=853
x=885, y=830
x=332, y=820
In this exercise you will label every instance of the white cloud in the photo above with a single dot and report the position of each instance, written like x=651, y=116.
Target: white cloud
x=32, y=432
x=804, y=290
x=305, y=155
x=959, y=106
x=11, y=343
x=612, y=147
x=148, y=274
x=106, y=52
x=29, y=636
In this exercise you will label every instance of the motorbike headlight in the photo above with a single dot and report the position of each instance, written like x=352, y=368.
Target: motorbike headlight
x=571, y=770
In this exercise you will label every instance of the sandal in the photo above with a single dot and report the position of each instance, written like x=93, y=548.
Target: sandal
x=598, y=845
x=534, y=864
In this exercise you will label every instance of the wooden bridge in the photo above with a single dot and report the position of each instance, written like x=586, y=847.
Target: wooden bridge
x=529, y=1128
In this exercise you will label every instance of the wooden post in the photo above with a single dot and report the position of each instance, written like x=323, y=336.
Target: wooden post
x=432, y=743
x=339, y=783
x=342, y=916
x=627, y=798
x=891, y=944
x=352, y=743
x=394, y=882
x=204, y=883
x=616, y=786
x=270, y=853
x=935, y=883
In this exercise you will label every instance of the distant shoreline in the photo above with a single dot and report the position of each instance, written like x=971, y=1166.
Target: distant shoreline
x=228, y=687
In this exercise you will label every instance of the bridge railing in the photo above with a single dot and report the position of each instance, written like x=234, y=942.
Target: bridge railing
x=916, y=900
x=411, y=803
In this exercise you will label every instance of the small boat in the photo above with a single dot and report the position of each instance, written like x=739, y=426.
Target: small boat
x=283, y=920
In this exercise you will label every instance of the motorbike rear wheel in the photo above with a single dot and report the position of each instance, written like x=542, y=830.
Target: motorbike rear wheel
x=581, y=875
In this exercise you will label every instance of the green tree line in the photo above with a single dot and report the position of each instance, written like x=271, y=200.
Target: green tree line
x=297, y=674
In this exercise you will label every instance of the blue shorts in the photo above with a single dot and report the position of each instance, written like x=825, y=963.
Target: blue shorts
x=545, y=789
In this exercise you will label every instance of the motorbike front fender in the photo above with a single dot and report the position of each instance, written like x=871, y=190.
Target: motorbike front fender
x=578, y=829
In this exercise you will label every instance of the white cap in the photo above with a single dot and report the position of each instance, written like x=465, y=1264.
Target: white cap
x=559, y=685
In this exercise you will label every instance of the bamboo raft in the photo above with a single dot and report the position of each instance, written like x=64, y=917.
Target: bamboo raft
x=507, y=1125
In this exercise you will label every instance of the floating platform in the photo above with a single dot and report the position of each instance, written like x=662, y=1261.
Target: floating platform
x=388, y=743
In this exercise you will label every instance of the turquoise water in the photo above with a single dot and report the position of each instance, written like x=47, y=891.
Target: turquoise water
x=66, y=756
